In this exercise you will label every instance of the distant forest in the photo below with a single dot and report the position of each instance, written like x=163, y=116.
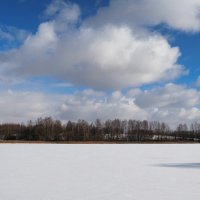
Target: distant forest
x=48, y=129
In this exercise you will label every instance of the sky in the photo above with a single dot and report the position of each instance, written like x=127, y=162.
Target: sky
x=107, y=59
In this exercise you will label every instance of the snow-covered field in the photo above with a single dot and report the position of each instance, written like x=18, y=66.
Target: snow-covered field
x=99, y=172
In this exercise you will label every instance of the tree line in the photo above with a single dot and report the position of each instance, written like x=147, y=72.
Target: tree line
x=48, y=129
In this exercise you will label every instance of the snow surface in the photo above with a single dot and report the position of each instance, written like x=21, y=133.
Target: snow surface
x=99, y=172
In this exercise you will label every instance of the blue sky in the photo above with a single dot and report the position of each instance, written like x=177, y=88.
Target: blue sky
x=27, y=14
x=121, y=51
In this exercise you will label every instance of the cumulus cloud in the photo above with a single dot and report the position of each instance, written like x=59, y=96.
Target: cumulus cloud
x=111, y=56
x=192, y=114
x=24, y=106
x=91, y=105
x=182, y=14
x=172, y=103
x=88, y=105
x=171, y=96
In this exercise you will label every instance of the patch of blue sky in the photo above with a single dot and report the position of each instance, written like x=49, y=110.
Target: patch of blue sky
x=30, y=18
x=189, y=45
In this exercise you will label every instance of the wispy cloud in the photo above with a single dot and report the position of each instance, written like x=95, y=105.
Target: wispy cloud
x=12, y=36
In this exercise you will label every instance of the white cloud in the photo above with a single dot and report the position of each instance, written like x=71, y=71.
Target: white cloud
x=100, y=106
x=181, y=14
x=108, y=57
x=115, y=55
x=63, y=15
x=88, y=105
x=24, y=106
x=43, y=40
x=63, y=11
x=170, y=96
x=172, y=103
x=192, y=114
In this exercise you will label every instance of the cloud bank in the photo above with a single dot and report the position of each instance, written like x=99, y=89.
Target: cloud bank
x=172, y=103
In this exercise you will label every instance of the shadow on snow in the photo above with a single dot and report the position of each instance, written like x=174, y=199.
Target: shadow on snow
x=180, y=165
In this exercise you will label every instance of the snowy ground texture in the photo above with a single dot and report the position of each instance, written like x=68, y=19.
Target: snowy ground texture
x=99, y=172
